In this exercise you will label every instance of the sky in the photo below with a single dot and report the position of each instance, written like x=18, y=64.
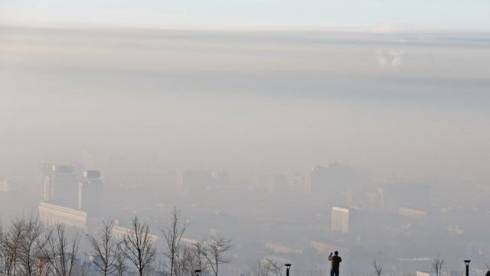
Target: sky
x=378, y=15
x=244, y=101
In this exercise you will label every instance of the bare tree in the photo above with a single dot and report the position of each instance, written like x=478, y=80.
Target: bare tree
x=378, y=268
x=268, y=267
x=138, y=246
x=186, y=262
x=437, y=266
x=215, y=251
x=120, y=266
x=199, y=252
x=173, y=236
x=10, y=246
x=272, y=267
x=31, y=244
x=189, y=258
x=60, y=252
x=1, y=251
x=261, y=269
x=104, y=249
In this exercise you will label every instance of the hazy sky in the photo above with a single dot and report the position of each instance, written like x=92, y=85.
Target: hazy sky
x=271, y=101
x=372, y=14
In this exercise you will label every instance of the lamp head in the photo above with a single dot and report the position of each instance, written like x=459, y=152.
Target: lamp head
x=467, y=262
x=288, y=265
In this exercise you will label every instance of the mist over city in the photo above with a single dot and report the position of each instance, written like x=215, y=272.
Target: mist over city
x=236, y=151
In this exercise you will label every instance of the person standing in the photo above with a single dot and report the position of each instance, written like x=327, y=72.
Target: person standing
x=335, y=260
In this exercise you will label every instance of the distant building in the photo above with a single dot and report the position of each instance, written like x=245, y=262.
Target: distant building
x=52, y=214
x=203, y=181
x=4, y=185
x=71, y=201
x=411, y=213
x=340, y=220
x=413, y=196
x=352, y=221
x=188, y=241
x=91, y=192
x=335, y=185
x=119, y=232
x=61, y=186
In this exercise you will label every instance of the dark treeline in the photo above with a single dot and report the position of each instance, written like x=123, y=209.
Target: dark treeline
x=29, y=247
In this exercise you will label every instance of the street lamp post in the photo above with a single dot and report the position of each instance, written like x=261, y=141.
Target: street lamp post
x=288, y=266
x=197, y=272
x=467, y=264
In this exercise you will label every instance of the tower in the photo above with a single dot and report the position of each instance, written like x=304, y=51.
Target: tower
x=90, y=192
x=60, y=186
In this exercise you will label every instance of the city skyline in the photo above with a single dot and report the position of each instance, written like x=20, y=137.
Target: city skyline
x=269, y=132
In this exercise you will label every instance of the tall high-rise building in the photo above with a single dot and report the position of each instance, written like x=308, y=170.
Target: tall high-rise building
x=61, y=186
x=91, y=192
x=350, y=221
x=340, y=220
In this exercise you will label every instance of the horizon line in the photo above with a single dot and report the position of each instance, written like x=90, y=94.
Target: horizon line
x=246, y=28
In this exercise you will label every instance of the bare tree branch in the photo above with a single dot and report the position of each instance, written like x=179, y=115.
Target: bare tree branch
x=378, y=268
x=216, y=248
x=11, y=243
x=138, y=246
x=104, y=247
x=120, y=260
x=30, y=245
x=60, y=253
x=437, y=266
x=272, y=266
x=173, y=236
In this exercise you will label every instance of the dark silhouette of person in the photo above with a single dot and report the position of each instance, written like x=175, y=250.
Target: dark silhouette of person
x=335, y=260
